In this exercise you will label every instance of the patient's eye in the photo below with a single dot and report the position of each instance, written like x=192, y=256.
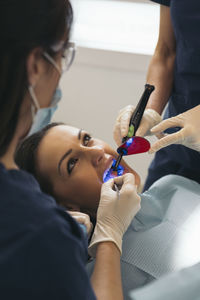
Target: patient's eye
x=71, y=164
x=86, y=139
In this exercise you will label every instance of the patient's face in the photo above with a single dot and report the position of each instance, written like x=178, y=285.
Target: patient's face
x=75, y=163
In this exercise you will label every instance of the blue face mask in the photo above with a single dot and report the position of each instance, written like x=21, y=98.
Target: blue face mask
x=43, y=116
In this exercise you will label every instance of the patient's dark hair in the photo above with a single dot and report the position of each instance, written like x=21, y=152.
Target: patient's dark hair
x=24, y=26
x=26, y=157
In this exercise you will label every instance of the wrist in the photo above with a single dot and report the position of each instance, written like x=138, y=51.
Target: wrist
x=108, y=247
x=104, y=234
x=155, y=108
x=153, y=116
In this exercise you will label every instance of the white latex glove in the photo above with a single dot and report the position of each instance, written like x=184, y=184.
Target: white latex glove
x=82, y=219
x=188, y=136
x=115, y=211
x=150, y=118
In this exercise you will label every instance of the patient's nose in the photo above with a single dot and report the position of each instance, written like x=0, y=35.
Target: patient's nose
x=97, y=154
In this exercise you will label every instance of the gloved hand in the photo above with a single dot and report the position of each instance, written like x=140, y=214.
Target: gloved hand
x=82, y=219
x=150, y=118
x=115, y=211
x=188, y=136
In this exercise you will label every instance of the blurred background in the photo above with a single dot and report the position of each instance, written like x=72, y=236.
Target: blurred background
x=115, y=41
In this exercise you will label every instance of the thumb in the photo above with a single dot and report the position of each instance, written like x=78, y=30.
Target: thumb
x=168, y=123
x=107, y=187
x=142, y=130
x=125, y=119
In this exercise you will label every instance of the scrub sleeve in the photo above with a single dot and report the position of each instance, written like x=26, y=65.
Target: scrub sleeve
x=43, y=251
x=177, y=159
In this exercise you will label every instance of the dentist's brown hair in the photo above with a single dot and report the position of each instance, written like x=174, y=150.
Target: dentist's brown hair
x=24, y=26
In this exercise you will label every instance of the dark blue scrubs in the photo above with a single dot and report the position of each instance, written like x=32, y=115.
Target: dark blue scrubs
x=42, y=249
x=177, y=159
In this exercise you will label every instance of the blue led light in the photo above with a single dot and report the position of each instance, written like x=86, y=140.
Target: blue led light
x=110, y=173
x=129, y=142
x=120, y=170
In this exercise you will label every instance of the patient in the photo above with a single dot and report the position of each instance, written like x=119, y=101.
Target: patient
x=69, y=164
x=163, y=237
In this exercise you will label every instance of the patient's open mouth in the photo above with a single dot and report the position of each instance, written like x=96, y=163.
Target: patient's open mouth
x=110, y=173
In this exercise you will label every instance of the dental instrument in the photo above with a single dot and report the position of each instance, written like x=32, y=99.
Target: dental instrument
x=116, y=188
x=132, y=144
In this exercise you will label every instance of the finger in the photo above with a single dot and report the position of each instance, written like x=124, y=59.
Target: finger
x=168, y=123
x=77, y=213
x=124, y=124
x=72, y=213
x=117, y=135
x=89, y=228
x=166, y=141
x=125, y=120
x=85, y=220
x=160, y=135
x=141, y=130
x=80, y=219
x=107, y=187
x=125, y=180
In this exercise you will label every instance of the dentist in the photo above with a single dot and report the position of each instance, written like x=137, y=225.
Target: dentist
x=42, y=249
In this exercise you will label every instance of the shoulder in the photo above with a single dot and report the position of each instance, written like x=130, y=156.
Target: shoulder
x=47, y=244
x=31, y=210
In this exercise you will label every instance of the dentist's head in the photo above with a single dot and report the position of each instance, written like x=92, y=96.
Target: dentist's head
x=34, y=52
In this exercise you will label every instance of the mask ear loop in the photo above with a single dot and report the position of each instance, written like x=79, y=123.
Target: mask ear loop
x=35, y=102
x=52, y=61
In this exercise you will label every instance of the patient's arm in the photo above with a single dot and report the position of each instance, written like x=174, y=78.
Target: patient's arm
x=106, y=278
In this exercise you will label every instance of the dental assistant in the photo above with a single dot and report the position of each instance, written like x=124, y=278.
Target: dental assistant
x=175, y=72
x=183, y=284
x=42, y=248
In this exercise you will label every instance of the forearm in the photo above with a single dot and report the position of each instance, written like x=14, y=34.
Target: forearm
x=160, y=74
x=161, y=68
x=106, y=278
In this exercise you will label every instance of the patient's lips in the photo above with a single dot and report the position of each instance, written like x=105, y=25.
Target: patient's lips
x=108, y=161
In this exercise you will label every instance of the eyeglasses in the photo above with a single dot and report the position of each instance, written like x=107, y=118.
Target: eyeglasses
x=67, y=56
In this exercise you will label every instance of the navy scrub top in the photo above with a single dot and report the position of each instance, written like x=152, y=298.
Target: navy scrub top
x=177, y=159
x=42, y=249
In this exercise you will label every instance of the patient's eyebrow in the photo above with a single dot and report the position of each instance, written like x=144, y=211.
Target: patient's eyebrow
x=67, y=153
x=62, y=158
